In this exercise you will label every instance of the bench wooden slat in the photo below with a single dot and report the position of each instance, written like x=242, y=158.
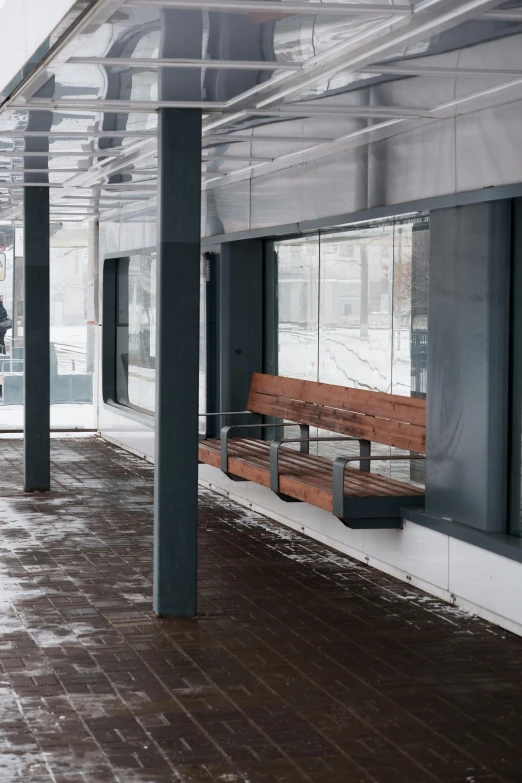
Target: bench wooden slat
x=409, y=410
x=318, y=469
x=297, y=468
x=410, y=437
x=297, y=489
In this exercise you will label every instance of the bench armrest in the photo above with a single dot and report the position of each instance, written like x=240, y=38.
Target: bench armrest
x=225, y=437
x=339, y=468
x=229, y=413
x=276, y=445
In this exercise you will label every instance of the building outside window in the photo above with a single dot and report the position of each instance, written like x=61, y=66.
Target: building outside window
x=135, y=349
x=352, y=311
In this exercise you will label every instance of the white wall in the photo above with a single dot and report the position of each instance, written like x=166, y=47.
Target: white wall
x=25, y=25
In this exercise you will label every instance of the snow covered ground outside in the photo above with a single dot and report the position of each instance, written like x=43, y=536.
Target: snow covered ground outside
x=71, y=347
x=379, y=362
x=62, y=417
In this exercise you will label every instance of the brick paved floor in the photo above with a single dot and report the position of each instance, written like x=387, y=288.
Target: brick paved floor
x=303, y=665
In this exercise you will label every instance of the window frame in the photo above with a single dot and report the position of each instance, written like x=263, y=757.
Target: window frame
x=109, y=331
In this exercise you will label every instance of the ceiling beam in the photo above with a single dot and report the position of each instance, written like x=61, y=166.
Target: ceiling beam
x=437, y=70
x=473, y=96
x=54, y=134
x=282, y=159
x=280, y=9
x=22, y=185
x=60, y=154
x=325, y=110
x=361, y=50
x=503, y=16
x=148, y=62
x=210, y=158
x=125, y=186
x=79, y=105
x=38, y=171
x=224, y=139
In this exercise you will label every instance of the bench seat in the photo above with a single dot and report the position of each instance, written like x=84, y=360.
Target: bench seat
x=346, y=486
x=308, y=478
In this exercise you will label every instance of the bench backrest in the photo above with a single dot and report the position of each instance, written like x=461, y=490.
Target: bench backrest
x=383, y=418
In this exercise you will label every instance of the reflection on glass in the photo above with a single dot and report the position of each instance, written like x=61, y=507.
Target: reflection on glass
x=136, y=334
x=72, y=337
x=355, y=308
x=410, y=308
x=298, y=307
x=353, y=311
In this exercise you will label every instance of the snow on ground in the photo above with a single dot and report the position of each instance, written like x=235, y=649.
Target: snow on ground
x=380, y=361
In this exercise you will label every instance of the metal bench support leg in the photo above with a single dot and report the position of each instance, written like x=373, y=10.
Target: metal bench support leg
x=338, y=487
x=304, y=448
x=224, y=438
x=366, y=451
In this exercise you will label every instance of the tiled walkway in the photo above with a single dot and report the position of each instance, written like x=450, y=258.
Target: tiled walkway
x=302, y=666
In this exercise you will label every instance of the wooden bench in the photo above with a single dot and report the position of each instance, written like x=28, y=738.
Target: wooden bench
x=359, y=498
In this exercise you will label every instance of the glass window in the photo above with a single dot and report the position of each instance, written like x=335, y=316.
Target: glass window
x=298, y=307
x=135, y=332
x=353, y=311
x=410, y=308
x=135, y=354
x=355, y=308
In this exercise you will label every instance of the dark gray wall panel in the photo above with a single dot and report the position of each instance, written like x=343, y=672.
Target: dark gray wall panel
x=240, y=321
x=468, y=364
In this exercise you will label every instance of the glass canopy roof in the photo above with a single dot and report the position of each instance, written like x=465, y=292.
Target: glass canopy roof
x=275, y=79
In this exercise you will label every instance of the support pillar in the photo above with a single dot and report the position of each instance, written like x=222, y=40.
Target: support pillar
x=240, y=319
x=177, y=363
x=37, y=395
x=37, y=375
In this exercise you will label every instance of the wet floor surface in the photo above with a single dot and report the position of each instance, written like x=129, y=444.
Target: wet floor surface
x=302, y=666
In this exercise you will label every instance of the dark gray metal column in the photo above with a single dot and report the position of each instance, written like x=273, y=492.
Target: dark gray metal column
x=468, y=365
x=177, y=363
x=37, y=377
x=240, y=323
x=37, y=393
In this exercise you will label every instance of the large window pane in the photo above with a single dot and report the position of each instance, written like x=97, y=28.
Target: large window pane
x=136, y=334
x=72, y=339
x=410, y=308
x=356, y=308
x=298, y=307
x=352, y=311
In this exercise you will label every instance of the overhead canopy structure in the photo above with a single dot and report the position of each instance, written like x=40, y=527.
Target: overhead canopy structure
x=278, y=82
